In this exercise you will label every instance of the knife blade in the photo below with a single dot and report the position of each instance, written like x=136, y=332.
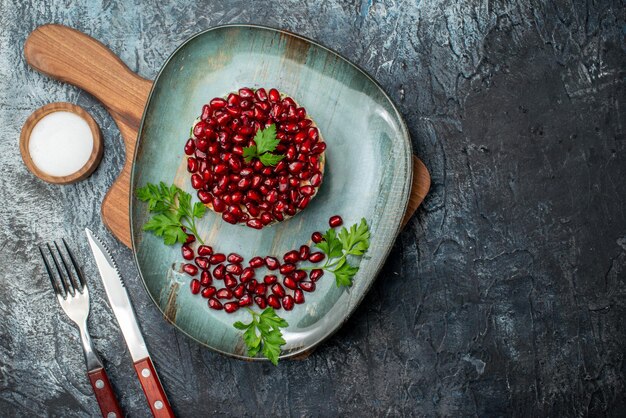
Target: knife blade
x=123, y=311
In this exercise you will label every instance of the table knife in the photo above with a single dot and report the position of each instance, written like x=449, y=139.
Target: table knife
x=123, y=310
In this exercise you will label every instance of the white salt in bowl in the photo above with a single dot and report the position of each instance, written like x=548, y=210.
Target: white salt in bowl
x=61, y=143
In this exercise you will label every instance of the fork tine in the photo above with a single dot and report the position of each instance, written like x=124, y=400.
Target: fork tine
x=66, y=285
x=79, y=274
x=72, y=280
x=55, y=286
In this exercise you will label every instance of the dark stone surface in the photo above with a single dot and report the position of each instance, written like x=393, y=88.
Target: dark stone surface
x=505, y=295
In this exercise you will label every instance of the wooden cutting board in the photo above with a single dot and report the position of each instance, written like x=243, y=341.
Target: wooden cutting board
x=71, y=56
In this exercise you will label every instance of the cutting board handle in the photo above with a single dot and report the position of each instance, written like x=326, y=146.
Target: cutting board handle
x=71, y=56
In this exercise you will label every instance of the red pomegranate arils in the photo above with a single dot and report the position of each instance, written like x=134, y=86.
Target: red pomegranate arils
x=316, y=257
x=235, y=269
x=298, y=296
x=316, y=274
x=195, y=286
x=239, y=291
x=187, y=252
x=209, y=291
x=202, y=262
x=246, y=300
x=205, y=278
x=291, y=257
x=304, y=252
x=234, y=258
x=217, y=258
x=270, y=279
x=335, y=221
x=190, y=269
x=307, y=286
x=287, y=268
x=260, y=301
x=219, y=271
x=215, y=304
x=290, y=283
x=278, y=290
x=247, y=274
x=231, y=307
x=317, y=237
x=230, y=281
x=256, y=262
x=287, y=302
x=273, y=301
x=272, y=263
x=224, y=294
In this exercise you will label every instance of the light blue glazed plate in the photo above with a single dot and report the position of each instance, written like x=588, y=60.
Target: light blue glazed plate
x=368, y=174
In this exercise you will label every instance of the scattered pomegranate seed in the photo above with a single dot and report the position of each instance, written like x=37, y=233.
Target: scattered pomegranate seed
x=247, y=274
x=292, y=257
x=190, y=269
x=304, y=252
x=231, y=307
x=316, y=274
x=224, y=294
x=288, y=302
x=256, y=262
x=195, y=286
x=239, y=291
x=316, y=257
x=290, y=283
x=215, y=304
x=317, y=237
x=205, y=278
x=202, y=262
x=187, y=252
x=235, y=269
x=335, y=221
x=273, y=301
x=298, y=296
x=287, y=268
x=278, y=290
x=209, y=291
x=260, y=301
x=217, y=258
x=307, y=286
x=230, y=281
x=246, y=300
x=234, y=258
x=190, y=238
x=299, y=275
x=272, y=263
x=219, y=271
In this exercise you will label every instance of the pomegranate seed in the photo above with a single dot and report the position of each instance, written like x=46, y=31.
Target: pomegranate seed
x=190, y=269
x=287, y=268
x=218, y=204
x=231, y=307
x=235, y=269
x=215, y=304
x=202, y=262
x=316, y=257
x=291, y=257
x=295, y=167
x=299, y=275
x=217, y=103
x=288, y=302
x=246, y=300
x=266, y=218
x=196, y=181
x=274, y=96
x=260, y=289
x=192, y=165
x=237, y=197
x=318, y=148
x=294, y=182
x=230, y=281
x=278, y=290
x=260, y=301
x=190, y=147
x=198, y=129
x=316, y=274
x=202, y=144
x=307, y=190
x=271, y=263
x=205, y=278
x=217, y=258
x=335, y=221
x=316, y=179
x=205, y=250
x=247, y=274
x=209, y=292
x=190, y=238
x=290, y=283
x=307, y=286
x=219, y=271
x=253, y=195
x=273, y=301
x=229, y=217
x=239, y=291
x=204, y=196
x=220, y=169
x=195, y=286
x=298, y=296
x=304, y=203
x=313, y=134
x=317, y=237
x=224, y=294
x=234, y=258
x=255, y=223
x=256, y=262
x=270, y=279
x=246, y=93
x=253, y=209
x=187, y=252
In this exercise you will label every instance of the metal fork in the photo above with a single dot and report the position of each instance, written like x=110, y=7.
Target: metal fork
x=73, y=296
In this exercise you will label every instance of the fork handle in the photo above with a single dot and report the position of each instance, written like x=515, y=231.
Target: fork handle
x=104, y=394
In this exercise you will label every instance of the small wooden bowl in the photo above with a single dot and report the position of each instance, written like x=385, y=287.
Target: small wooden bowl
x=96, y=152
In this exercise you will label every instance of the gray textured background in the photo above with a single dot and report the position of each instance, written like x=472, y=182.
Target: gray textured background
x=505, y=295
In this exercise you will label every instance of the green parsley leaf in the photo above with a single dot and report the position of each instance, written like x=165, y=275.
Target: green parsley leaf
x=249, y=153
x=173, y=212
x=266, y=142
x=330, y=245
x=344, y=274
x=270, y=159
x=265, y=139
x=263, y=334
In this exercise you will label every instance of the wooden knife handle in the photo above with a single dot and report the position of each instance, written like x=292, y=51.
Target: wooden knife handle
x=105, y=395
x=152, y=389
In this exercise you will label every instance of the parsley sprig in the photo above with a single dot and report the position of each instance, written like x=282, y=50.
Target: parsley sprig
x=263, y=334
x=172, y=211
x=266, y=142
x=337, y=247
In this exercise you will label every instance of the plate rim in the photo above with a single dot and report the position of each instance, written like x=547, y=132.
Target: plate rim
x=406, y=138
